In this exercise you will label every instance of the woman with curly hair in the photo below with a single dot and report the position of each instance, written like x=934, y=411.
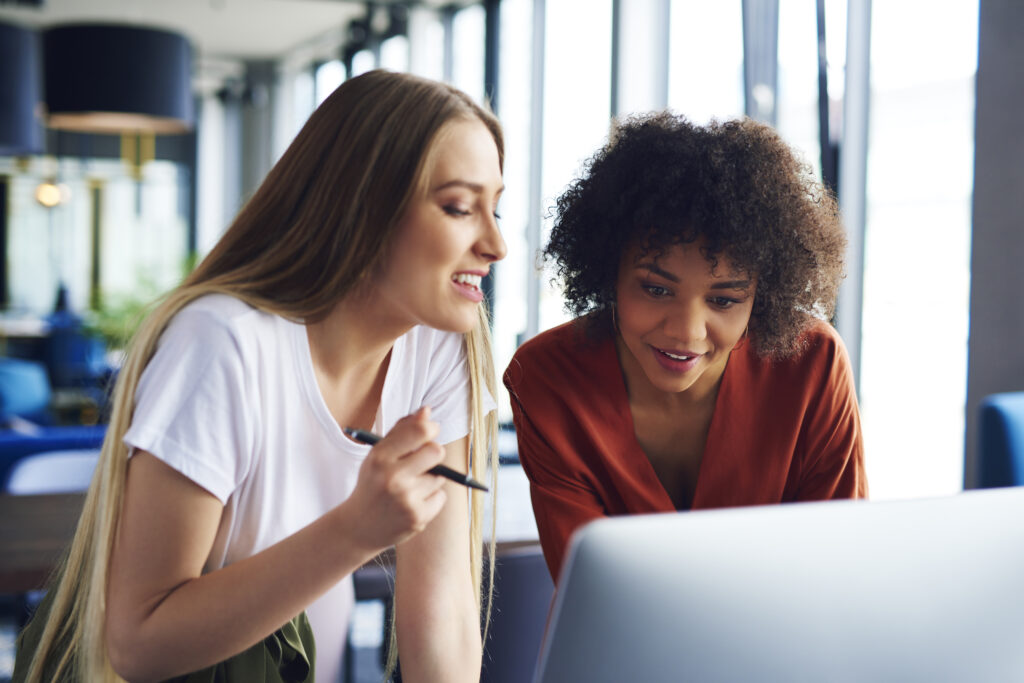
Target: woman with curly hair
x=703, y=264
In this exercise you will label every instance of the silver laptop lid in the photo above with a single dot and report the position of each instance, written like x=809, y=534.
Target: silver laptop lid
x=925, y=590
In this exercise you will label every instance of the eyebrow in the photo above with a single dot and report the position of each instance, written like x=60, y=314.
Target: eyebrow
x=475, y=187
x=727, y=284
x=732, y=284
x=652, y=268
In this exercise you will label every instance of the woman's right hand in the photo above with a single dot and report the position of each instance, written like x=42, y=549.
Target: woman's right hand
x=160, y=622
x=395, y=498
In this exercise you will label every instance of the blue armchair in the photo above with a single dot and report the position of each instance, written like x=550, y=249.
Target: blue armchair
x=1001, y=453
x=25, y=425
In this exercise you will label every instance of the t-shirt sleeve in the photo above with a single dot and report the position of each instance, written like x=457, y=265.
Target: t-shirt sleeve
x=448, y=388
x=562, y=500
x=833, y=466
x=191, y=405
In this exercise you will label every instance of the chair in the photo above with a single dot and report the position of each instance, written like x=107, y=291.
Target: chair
x=24, y=390
x=52, y=472
x=1001, y=454
x=25, y=425
x=522, y=596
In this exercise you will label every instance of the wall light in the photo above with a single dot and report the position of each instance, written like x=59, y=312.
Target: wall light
x=50, y=194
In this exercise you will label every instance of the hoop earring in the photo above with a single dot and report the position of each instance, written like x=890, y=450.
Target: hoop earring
x=615, y=318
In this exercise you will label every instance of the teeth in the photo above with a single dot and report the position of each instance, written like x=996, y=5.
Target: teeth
x=674, y=356
x=467, y=279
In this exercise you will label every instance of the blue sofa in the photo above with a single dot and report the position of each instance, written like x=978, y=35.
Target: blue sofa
x=1001, y=452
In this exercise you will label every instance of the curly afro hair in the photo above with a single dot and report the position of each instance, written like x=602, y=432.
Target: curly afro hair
x=736, y=187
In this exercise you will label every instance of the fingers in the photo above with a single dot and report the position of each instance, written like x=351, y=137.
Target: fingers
x=433, y=504
x=408, y=436
x=424, y=505
x=394, y=483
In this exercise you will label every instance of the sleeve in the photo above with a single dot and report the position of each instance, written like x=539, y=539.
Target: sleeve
x=833, y=465
x=562, y=499
x=448, y=389
x=191, y=406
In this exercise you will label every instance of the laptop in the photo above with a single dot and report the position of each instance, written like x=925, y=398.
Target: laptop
x=928, y=590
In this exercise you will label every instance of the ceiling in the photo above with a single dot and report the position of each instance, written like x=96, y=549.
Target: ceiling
x=218, y=29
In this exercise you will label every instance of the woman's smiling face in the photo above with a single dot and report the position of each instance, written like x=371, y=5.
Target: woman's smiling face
x=678, y=318
x=447, y=239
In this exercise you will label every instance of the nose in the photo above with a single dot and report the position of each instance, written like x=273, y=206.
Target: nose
x=686, y=322
x=491, y=245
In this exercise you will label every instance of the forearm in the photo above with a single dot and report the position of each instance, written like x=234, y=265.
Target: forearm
x=437, y=619
x=210, y=618
x=437, y=622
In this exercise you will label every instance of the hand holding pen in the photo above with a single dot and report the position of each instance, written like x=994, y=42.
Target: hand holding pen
x=395, y=497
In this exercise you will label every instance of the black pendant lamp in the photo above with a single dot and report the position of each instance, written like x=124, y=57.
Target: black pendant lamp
x=109, y=78
x=21, y=130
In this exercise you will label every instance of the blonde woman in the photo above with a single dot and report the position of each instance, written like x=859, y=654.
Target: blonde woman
x=228, y=504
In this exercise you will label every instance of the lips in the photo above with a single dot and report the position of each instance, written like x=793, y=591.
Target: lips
x=468, y=285
x=676, y=361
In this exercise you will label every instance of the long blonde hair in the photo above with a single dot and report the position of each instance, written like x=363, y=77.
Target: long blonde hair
x=319, y=224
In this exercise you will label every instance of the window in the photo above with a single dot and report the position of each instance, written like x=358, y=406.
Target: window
x=577, y=106
x=394, y=53
x=797, y=96
x=142, y=246
x=468, y=51
x=705, y=73
x=511, y=276
x=917, y=246
x=328, y=77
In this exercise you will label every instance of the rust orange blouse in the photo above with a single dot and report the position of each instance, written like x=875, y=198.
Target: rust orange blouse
x=782, y=431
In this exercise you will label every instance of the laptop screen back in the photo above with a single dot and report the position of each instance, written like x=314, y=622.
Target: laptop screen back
x=846, y=591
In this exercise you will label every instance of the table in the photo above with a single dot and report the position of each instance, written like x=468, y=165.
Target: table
x=34, y=530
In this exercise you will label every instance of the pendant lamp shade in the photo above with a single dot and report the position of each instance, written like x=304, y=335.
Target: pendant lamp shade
x=21, y=130
x=104, y=78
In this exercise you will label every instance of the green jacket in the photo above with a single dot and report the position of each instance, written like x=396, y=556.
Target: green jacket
x=285, y=656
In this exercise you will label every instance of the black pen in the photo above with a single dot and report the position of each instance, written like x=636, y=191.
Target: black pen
x=370, y=438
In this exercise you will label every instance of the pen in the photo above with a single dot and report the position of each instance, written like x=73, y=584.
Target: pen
x=370, y=438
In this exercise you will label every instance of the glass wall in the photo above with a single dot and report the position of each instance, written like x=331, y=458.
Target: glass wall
x=797, y=95
x=327, y=77
x=917, y=245
x=130, y=223
x=467, y=59
x=577, y=110
x=512, y=276
x=705, y=70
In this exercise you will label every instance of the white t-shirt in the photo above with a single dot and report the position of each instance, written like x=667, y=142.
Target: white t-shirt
x=230, y=401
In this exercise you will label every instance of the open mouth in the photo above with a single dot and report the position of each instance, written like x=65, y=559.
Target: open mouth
x=676, y=361
x=468, y=286
x=675, y=356
x=468, y=280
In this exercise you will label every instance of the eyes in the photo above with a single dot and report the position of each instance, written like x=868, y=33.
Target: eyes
x=655, y=291
x=459, y=212
x=658, y=292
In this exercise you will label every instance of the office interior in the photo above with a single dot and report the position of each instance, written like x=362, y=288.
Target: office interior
x=906, y=109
